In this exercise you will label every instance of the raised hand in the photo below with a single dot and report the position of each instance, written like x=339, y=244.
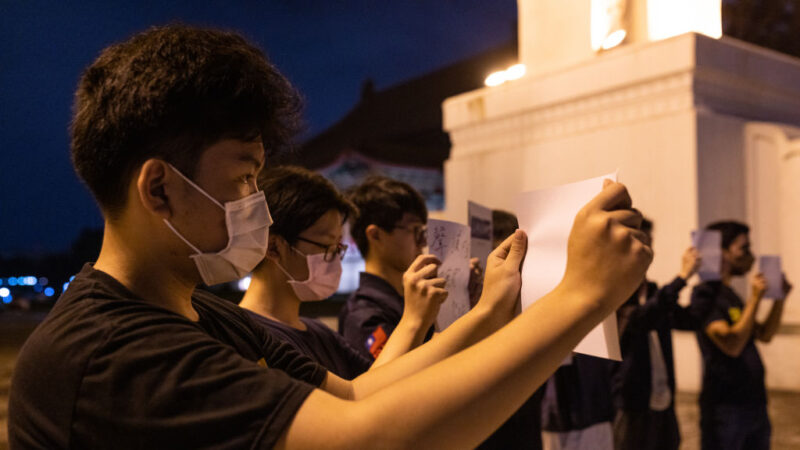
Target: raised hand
x=423, y=291
x=758, y=285
x=502, y=283
x=690, y=262
x=607, y=257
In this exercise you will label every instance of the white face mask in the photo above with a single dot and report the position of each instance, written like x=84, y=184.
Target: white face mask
x=247, y=221
x=323, y=277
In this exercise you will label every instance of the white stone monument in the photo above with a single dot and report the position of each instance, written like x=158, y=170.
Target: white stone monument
x=701, y=128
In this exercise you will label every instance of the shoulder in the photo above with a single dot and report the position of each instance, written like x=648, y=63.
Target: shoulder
x=707, y=291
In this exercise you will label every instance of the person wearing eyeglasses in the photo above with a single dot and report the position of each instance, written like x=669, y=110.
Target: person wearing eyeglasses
x=303, y=264
x=390, y=233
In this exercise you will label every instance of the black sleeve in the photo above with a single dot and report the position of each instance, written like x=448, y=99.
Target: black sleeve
x=704, y=308
x=357, y=362
x=156, y=384
x=281, y=355
x=635, y=318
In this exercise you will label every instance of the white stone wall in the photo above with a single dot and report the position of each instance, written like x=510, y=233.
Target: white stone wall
x=675, y=117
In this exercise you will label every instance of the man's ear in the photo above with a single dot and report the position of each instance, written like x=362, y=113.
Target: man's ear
x=373, y=233
x=277, y=247
x=152, y=187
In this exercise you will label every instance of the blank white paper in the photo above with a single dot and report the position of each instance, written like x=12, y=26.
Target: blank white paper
x=547, y=215
x=709, y=244
x=770, y=266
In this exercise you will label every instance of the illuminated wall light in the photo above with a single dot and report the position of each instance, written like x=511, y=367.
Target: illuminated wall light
x=12, y=281
x=30, y=281
x=614, y=39
x=49, y=291
x=514, y=72
x=4, y=292
x=496, y=78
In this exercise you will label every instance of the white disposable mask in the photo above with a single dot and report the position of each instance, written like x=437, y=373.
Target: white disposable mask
x=323, y=277
x=247, y=221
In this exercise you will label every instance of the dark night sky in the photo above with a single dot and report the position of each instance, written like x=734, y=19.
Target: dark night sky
x=327, y=48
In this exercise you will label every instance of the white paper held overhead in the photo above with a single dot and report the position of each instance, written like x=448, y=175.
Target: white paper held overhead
x=709, y=244
x=770, y=266
x=547, y=215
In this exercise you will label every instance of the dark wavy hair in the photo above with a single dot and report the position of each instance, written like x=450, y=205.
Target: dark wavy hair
x=298, y=197
x=730, y=230
x=171, y=92
x=383, y=201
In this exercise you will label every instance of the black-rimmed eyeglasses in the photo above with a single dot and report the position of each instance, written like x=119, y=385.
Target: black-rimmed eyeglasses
x=331, y=251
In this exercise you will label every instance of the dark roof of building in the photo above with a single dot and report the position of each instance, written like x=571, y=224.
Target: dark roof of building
x=402, y=124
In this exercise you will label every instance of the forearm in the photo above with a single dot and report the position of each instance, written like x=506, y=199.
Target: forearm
x=407, y=336
x=467, y=330
x=459, y=401
x=740, y=332
x=773, y=322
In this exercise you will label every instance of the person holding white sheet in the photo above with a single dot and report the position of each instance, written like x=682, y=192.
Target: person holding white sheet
x=733, y=400
x=303, y=264
x=390, y=232
x=643, y=383
x=132, y=357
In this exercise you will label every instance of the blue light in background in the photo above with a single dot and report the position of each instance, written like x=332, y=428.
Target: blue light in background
x=7, y=300
x=43, y=281
x=72, y=278
x=49, y=291
x=63, y=289
x=12, y=281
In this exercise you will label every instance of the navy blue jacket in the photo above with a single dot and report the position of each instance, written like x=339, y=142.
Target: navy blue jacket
x=371, y=314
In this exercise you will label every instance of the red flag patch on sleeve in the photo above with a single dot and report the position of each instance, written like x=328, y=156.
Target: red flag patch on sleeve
x=376, y=341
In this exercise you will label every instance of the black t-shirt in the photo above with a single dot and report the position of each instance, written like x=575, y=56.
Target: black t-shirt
x=106, y=369
x=319, y=343
x=726, y=380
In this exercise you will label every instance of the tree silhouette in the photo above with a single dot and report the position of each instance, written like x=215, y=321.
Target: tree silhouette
x=773, y=24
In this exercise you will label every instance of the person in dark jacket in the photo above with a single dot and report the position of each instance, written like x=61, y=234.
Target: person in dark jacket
x=390, y=234
x=643, y=384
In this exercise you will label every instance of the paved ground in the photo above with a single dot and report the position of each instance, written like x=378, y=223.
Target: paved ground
x=784, y=407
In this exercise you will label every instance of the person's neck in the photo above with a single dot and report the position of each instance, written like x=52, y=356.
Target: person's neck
x=725, y=275
x=149, y=275
x=270, y=295
x=392, y=276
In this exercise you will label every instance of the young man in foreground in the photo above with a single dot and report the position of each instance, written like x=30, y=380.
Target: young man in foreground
x=169, y=134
